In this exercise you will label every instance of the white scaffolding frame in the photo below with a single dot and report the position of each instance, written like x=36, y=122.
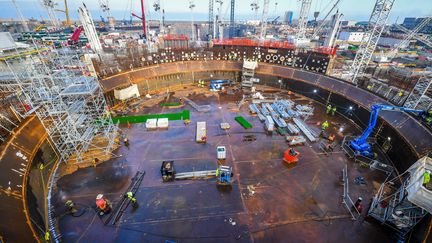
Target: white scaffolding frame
x=370, y=39
x=421, y=95
x=391, y=207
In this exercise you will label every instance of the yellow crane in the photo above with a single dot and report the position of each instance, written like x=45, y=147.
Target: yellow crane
x=68, y=22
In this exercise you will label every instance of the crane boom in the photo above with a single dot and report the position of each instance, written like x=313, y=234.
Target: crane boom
x=360, y=144
x=408, y=37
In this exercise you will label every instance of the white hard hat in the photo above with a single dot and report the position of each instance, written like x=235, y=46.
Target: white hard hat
x=360, y=198
x=99, y=196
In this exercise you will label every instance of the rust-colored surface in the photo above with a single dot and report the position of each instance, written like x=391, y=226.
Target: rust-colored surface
x=408, y=127
x=14, y=223
x=288, y=204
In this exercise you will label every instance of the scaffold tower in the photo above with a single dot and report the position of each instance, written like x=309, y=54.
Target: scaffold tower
x=59, y=88
x=401, y=202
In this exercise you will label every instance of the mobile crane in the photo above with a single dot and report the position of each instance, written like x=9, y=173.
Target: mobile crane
x=360, y=144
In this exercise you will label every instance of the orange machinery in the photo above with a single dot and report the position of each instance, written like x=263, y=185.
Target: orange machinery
x=291, y=156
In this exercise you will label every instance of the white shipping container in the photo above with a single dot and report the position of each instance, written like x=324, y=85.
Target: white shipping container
x=162, y=123
x=151, y=124
x=201, y=132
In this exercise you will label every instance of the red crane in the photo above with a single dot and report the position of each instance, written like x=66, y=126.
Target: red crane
x=75, y=36
x=143, y=20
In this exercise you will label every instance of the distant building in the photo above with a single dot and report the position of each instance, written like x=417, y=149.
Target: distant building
x=351, y=36
x=411, y=23
x=348, y=23
x=288, y=18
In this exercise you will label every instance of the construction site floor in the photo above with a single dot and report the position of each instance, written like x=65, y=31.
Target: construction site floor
x=268, y=202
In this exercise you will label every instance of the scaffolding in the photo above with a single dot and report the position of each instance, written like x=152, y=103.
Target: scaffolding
x=248, y=73
x=401, y=202
x=370, y=39
x=420, y=97
x=68, y=101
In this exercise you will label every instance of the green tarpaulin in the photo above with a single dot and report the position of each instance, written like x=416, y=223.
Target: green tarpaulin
x=184, y=115
x=243, y=122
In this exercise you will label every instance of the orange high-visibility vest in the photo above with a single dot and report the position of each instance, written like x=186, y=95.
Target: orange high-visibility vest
x=101, y=203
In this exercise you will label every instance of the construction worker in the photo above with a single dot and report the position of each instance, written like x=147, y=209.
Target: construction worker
x=102, y=204
x=429, y=117
x=329, y=107
x=359, y=205
x=333, y=110
x=400, y=93
x=331, y=138
x=131, y=197
x=324, y=125
x=426, y=177
x=47, y=236
x=70, y=205
x=126, y=142
x=95, y=161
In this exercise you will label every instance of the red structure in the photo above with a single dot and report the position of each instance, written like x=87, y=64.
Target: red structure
x=143, y=20
x=174, y=41
x=291, y=156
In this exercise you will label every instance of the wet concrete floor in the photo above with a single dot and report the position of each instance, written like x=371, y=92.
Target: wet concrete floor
x=269, y=201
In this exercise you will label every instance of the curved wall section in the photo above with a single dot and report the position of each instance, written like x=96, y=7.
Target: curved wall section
x=415, y=139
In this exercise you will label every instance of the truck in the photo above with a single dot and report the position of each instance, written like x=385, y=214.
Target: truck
x=269, y=124
x=221, y=152
x=201, y=132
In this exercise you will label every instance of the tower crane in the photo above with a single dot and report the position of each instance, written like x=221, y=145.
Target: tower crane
x=264, y=19
x=68, y=22
x=254, y=7
x=319, y=29
x=104, y=6
x=232, y=14
x=377, y=22
x=211, y=21
x=302, y=20
x=360, y=144
x=143, y=20
x=158, y=8
x=218, y=29
x=49, y=7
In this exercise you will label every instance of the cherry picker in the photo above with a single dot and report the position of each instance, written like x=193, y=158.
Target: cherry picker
x=360, y=144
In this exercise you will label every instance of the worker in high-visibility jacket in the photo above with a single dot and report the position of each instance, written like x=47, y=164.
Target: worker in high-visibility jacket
x=325, y=125
x=329, y=107
x=426, y=177
x=130, y=195
x=333, y=110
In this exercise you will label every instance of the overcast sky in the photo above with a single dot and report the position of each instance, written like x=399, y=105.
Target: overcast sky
x=178, y=9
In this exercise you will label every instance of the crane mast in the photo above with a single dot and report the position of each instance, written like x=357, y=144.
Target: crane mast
x=264, y=19
x=377, y=22
x=303, y=18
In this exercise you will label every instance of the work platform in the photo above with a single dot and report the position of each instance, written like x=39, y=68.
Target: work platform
x=267, y=201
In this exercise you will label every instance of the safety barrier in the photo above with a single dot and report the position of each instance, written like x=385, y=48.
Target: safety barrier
x=184, y=115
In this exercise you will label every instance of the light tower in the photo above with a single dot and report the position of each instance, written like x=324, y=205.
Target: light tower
x=191, y=7
x=377, y=22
